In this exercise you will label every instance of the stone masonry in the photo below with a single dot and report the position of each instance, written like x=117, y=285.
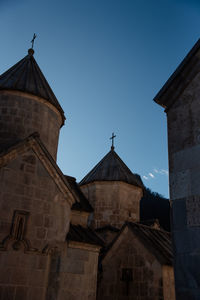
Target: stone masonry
x=22, y=114
x=47, y=249
x=37, y=262
x=180, y=97
x=27, y=191
x=78, y=272
x=113, y=202
x=146, y=282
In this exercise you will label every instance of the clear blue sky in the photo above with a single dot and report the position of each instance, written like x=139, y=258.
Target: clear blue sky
x=105, y=61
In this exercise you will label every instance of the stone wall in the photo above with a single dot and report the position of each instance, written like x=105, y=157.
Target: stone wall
x=27, y=186
x=79, y=218
x=129, y=253
x=34, y=220
x=184, y=167
x=168, y=283
x=78, y=272
x=23, y=275
x=22, y=114
x=114, y=202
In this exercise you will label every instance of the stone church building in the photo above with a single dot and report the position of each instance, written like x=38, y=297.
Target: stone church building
x=60, y=240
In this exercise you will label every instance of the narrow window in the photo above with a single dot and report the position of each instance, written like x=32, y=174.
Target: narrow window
x=127, y=277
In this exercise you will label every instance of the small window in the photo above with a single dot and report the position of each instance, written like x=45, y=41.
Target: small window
x=127, y=275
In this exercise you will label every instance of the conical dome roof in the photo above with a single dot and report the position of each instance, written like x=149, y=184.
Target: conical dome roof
x=112, y=168
x=26, y=76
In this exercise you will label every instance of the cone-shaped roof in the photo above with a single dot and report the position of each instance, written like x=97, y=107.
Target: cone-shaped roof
x=26, y=76
x=112, y=168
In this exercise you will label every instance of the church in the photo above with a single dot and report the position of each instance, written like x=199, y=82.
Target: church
x=63, y=240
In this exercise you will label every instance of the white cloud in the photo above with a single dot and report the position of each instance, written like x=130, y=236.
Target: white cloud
x=155, y=171
x=151, y=175
x=161, y=171
x=165, y=172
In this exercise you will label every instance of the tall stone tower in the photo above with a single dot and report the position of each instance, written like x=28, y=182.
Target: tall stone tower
x=113, y=191
x=28, y=104
x=180, y=98
x=35, y=197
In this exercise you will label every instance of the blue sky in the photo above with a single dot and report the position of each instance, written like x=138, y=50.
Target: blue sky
x=105, y=61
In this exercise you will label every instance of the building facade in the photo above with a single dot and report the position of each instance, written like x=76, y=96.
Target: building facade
x=62, y=240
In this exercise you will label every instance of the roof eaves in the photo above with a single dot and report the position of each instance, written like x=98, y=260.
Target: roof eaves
x=162, y=252
x=157, y=240
x=12, y=80
x=183, y=66
x=82, y=203
x=124, y=174
x=82, y=234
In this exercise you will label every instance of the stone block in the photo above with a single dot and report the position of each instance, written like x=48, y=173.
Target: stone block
x=137, y=274
x=42, y=262
x=36, y=278
x=41, y=233
x=139, y=261
x=186, y=159
x=26, y=179
x=50, y=234
x=46, y=207
x=37, y=243
x=36, y=293
x=187, y=240
x=5, y=274
x=19, y=189
x=9, y=260
x=8, y=293
x=73, y=266
x=195, y=186
x=29, y=191
x=19, y=276
x=28, y=261
x=78, y=254
x=144, y=289
x=41, y=171
x=21, y=293
x=48, y=221
x=4, y=227
x=68, y=295
x=73, y=281
x=13, y=111
x=26, y=203
x=185, y=294
x=193, y=210
x=38, y=220
x=178, y=211
x=180, y=184
x=187, y=273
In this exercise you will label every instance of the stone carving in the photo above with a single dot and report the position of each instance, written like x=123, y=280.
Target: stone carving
x=17, y=233
x=50, y=249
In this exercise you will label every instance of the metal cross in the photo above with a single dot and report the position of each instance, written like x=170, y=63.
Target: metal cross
x=112, y=138
x=33, y=39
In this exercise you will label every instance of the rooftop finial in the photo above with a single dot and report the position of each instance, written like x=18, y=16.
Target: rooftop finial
x=31, y=51
x=33, y=39
x=112, y=138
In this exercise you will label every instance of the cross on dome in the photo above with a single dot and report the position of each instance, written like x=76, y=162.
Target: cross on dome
x=33, y=40
x=112, y=138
